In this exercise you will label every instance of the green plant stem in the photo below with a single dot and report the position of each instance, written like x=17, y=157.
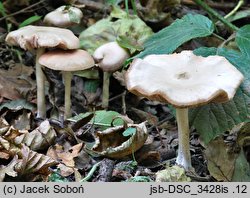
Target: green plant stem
x=91, y=172
x=215, y=14
x=240, y=3
x=126, y=6
x=105, y=90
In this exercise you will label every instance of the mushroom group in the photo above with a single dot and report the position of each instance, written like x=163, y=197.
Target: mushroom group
x=38, y=38
x=183, y=80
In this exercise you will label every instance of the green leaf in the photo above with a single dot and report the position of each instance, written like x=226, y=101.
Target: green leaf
x=214, y=119
x=16, y=105
x=2, y=9
x=239, y=15
x=242, y=169
x=30, y=20
x=243, y=40
x=129, y=132
x=119, y=24
x=182, y=30
x=101, y=118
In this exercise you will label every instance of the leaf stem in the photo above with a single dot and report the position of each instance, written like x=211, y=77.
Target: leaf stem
x=91, y=172
x=240, y=3
x=215, y=14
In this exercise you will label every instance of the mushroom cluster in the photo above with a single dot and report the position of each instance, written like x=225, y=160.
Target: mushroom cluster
x=183, y=80
x=39, y=38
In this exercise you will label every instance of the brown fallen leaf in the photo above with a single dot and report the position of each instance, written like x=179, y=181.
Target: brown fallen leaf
x=16, y=82
x=220, y=159
x=40, y=138
x=58, y=153
x=31, y=162
x=112, y=143
x=9, y=169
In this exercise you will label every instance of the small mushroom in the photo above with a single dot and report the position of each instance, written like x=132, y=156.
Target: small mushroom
x=67, y=62
x=183, y=80
x=38, y=38
x=64, y=17
x=110, y=58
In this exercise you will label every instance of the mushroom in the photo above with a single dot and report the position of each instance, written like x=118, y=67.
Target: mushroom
x=67, y=62
x=64, y=17
x=110, y=58
x=39, y=38
x=183, y=80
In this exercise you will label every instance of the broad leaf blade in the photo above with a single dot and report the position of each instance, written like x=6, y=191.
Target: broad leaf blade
x=214, y=119
x=243, y=40
x=182, y=30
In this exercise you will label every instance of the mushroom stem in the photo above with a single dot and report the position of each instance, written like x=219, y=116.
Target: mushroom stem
x=105, y=90
x=67, y=76
x=40, y=81
x=183, y=157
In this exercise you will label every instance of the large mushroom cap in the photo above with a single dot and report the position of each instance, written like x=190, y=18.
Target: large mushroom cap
x=184, y=79
x=110, y=56
x=70, y=60
x=64, y=17
x=32, y=37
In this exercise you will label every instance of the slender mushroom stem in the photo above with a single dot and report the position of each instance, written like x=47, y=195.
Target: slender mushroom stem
x=40, y=80
x=105, y=90
x=183, y=157
x=67, y=76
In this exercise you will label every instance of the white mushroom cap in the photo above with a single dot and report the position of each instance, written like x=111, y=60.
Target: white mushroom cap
x=32, y=37
x=69, y=60
x=61, y=17
x=110, y=56
x=184, y=79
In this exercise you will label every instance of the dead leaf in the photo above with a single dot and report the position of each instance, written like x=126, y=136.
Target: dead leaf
x=172, y=174
x=16, y=82
x=65, y=156
x=9, y=169
x=112, y=143
x=40, y=138
x=221, y=159
x=31, y=162
x=4, y=126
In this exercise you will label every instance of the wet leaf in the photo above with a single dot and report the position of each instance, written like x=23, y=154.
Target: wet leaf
x=40, y=138
x=112, y=143
x=221, y=159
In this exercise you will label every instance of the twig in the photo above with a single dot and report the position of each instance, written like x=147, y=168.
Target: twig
x=231, y=37
x=240, y=3
x=22, y=10
x=212, y=4
x=215, y=14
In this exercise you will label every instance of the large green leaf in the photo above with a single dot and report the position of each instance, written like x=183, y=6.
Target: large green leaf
x=213, y=119
x=182, y=30
x=118, y=25
x=243, y=40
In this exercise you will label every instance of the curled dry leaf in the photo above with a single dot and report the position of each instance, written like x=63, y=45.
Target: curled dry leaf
x=9, y=169
x=4, y=126
x=31, y=162
x=112, y=142
x=40, y=138
x=65, y=156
